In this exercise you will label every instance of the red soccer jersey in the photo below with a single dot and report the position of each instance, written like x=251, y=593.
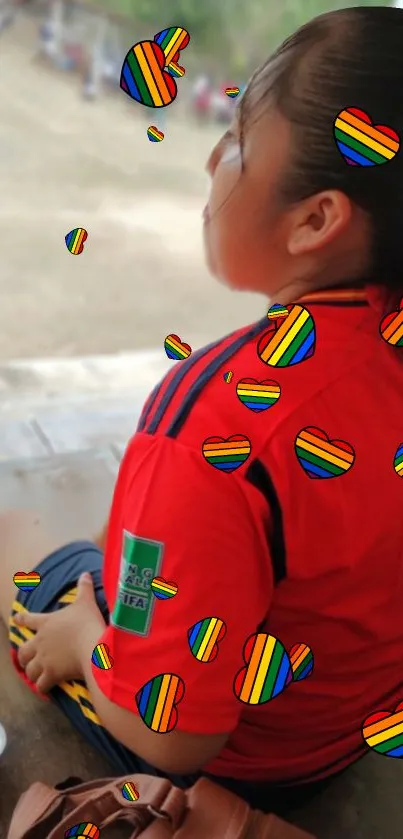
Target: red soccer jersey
x=292, y=529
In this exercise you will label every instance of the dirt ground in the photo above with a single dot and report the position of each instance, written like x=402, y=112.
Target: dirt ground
x=65, y=163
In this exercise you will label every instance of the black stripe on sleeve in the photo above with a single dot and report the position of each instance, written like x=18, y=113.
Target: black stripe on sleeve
x=258, y=476
x=205, y=377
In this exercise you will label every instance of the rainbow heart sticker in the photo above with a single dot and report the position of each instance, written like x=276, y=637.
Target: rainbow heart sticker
x=176, y=70
x=83, y=830
x=321, y=457
x=277, y=311
x=232, y=92
x=204, y=638
x=172, y=41
x=290, y=339
x=157, y=702
x=258, y=396
x=154, y=134
x=227, y=455
x=228, y=376
x=176, y=349
x=27, y=582
x=398, y=461
x=75, y=240
x=130, y=791
x=267, y=672
x=391, y=327
x=301, y=658
x=383, y=732
x=101, y=657
x=270, y=669
x=360, y=142
x=143, y=77
x=162, y=589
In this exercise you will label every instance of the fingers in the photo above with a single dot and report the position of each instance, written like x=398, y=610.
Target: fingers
x=31, y=620
x=45, y=683
x=85, y=587
x=26, y=653
x=33, y=671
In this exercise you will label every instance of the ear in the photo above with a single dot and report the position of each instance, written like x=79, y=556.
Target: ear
x=318, y=220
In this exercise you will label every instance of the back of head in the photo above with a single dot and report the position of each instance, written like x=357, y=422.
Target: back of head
x=347, y=58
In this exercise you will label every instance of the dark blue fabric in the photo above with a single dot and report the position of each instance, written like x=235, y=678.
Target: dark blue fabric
x=59, y=574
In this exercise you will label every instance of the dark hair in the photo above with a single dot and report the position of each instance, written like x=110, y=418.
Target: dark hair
x=347, y=58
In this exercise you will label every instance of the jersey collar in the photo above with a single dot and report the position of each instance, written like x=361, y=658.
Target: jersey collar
x=337, y=296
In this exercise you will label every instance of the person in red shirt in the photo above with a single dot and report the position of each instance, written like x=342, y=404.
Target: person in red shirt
x=250, y=593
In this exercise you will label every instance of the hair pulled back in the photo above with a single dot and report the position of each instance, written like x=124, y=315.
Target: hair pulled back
x=347, y=58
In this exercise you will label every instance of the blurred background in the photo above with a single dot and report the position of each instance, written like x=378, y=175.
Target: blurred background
x=74, y=152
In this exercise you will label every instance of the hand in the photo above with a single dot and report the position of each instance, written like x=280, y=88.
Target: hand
x=54, y=654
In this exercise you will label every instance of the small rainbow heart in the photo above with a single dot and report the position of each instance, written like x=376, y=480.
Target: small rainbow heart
x=228, y=376
x=232, y=92
x=27, y=582
x=176, y=349
x=162, y=589
x=277, y=311
x=101, y=657
x=204, y=638
x=383, y=732
x=301, y=658
x=130, y=791
x=360, y=142
x=176, y=70
x=227, y=455
x=154, y=134
x=75, y=240
x=398, y=461
x=258, y=396
x=84, y=830
x=391, y=327
x=321, y=457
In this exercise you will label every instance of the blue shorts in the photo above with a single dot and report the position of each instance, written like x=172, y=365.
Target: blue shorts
x=59, y=574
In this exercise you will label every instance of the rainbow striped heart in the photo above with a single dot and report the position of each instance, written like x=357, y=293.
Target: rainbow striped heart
x=232, y=92
x=84, y=830
x=27, y=582
x=398, y=461
x=101, y=657
x=154, y=134
x=321, y=457
x=227, y=455
x=289, y=340
x=360, y=142
x=157, y=702
x=383, y=732
x=176, y=70
x=258, y=396
x=205, y=637
x=176, y=349
x=130, y=791
x=162, y=589
x=391, y=327
x=301, y=658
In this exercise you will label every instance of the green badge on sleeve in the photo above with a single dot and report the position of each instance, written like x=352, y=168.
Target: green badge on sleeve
x=140, y=563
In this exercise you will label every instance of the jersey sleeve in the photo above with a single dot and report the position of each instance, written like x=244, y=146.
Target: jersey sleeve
x=187, y=578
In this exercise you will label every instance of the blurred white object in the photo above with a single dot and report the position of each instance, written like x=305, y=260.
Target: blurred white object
x=3, y=739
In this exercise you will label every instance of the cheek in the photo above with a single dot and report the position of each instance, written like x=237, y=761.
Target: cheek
x=226, y=178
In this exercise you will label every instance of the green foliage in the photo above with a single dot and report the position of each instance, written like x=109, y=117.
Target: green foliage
x=232, y=35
